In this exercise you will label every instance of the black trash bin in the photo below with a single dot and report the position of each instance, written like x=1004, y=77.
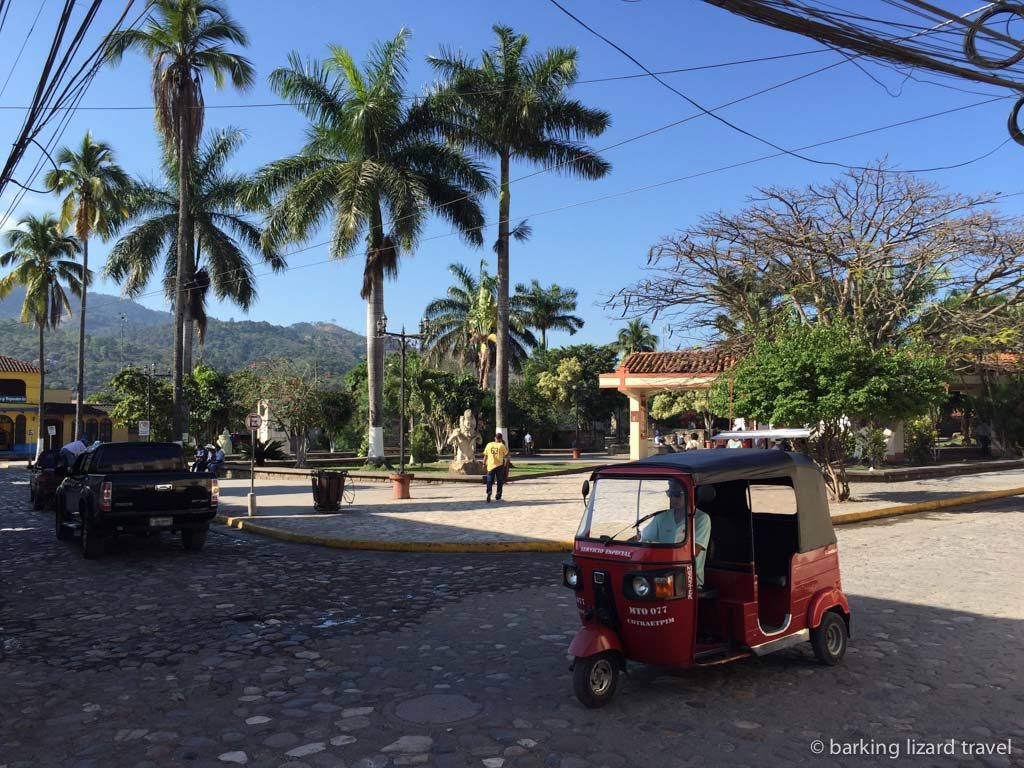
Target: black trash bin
x=328, y=487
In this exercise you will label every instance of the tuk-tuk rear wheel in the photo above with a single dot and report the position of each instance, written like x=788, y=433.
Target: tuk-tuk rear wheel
x=594, y=679
x=829, y=638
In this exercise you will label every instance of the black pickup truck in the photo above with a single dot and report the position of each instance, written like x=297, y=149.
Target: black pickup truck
x=131, y=488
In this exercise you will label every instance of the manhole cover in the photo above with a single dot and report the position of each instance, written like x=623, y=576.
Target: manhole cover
x=437, y=708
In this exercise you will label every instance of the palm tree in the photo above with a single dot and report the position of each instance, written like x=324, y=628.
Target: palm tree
x=222, y=233
x=636, y=337
x=370, y=157
x=42, y=254
x=184, y=40
x=462, y=326
x=93, y=185
x=549, y=309
x=514, y=107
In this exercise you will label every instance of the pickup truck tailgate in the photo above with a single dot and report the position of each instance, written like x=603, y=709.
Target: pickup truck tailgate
x=160, y=492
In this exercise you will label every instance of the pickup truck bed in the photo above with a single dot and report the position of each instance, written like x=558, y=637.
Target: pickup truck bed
x=131, y=488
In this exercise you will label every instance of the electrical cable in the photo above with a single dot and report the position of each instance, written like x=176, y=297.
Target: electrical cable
x=21, y=50
x=697, y=105
x=695, y=175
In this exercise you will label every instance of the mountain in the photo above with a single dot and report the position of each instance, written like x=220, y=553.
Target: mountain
x=145, y=337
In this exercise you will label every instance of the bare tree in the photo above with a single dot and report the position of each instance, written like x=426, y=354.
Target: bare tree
x=896, y=256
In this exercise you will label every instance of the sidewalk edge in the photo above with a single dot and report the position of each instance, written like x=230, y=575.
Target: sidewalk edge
x=246, y=524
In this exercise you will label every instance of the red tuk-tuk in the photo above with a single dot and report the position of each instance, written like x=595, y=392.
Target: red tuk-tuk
x=654, y=585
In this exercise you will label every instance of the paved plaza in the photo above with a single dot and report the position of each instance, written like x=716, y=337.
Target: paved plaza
x=265, y=653
x=543, y=510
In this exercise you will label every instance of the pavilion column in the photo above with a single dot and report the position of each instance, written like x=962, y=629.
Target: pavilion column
x=638, y=444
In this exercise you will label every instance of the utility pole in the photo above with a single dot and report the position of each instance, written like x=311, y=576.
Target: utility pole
x=403, y=338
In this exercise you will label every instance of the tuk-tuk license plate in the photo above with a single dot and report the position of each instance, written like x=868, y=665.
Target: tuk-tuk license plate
x=161, y=522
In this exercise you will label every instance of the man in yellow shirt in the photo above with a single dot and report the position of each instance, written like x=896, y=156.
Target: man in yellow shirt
x=494, y=457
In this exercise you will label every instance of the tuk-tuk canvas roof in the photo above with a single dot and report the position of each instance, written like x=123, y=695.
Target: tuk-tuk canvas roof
x=754, y=465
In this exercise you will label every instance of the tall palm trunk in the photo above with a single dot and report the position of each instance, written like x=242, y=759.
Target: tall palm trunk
x=375, y=363
x=501, y=357
x=184, y=253
x=41, y=428
x=80, y=380
x=187, y=333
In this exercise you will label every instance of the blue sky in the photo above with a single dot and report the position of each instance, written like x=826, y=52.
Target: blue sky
x=595, y=247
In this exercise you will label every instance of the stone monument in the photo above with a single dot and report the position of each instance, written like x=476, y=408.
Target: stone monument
x=465, y=439
x=225, y=442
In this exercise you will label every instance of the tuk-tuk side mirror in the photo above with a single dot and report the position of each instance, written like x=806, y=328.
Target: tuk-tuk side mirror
x=586, y=489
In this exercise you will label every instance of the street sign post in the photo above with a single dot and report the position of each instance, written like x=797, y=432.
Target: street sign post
x=51, y=431
x=253, y=421
x=144, y=429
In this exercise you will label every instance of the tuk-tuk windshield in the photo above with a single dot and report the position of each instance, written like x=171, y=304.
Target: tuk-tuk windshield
x=636, y=510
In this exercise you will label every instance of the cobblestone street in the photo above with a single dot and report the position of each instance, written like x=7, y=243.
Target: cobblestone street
x=265, y=653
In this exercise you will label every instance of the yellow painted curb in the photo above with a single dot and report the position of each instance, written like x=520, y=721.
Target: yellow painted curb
x=922, y=506
x=247, y=524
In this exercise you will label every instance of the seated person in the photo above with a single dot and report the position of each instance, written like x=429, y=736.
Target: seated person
x=669, y=526
x=199, y=465
x=216, y=461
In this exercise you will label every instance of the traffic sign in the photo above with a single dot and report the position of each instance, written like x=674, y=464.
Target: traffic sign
x=143, y=429
x=254, y=421
x=51, y=430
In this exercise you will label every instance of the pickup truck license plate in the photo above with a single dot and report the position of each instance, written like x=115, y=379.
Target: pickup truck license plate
x=160, y=522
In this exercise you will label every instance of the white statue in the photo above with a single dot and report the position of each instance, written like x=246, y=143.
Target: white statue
x=464, y=439
x=225, y=443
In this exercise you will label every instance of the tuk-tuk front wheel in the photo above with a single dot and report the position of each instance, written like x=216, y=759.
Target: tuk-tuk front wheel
x=829, y=639
x=594, y=679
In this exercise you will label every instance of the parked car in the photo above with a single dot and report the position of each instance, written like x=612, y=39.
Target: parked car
x=131, y=488
x=44, y=479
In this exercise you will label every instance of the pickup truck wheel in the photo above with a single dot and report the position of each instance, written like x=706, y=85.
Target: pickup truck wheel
x=63, y=533
x=194, y=538
x=92, y=541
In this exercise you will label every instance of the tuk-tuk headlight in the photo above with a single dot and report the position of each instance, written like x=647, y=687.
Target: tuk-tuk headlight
x=571, y=576
x=641, y=586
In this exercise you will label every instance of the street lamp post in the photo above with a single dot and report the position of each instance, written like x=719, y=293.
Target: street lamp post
x=403, y=337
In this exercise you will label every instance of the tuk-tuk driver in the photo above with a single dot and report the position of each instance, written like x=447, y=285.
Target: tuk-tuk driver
x=669, y=527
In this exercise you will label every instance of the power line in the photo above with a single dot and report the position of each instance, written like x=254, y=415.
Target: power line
x=694, y=103
x=21, y=50
x=609, y=79
x=696, y=175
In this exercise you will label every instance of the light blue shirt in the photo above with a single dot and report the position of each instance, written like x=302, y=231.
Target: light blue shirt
x=701, y=537
x=663, y=529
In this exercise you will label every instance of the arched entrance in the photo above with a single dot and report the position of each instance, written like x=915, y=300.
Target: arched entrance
x=6, y=433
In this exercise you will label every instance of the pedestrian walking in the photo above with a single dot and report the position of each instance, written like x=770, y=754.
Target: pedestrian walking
x=495, y=453
x=528, y=444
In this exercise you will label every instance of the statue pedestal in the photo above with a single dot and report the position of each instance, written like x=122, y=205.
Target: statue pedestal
x=463, y=467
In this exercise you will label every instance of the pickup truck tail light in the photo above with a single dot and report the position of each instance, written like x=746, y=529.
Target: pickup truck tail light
x=106, y=491
x=214, y=492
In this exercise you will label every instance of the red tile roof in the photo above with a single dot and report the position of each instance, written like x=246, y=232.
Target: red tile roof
x=691, y=361
x=10, y=365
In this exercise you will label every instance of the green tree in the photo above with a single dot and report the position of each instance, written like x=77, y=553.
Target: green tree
x=825, y=377
x=209, y=397
x=463, y=325
x=637, y=336
x=184, y=40
x=668, y=405
x=548, y=309
x=222, y=233
x=595, y=405
x=140, y=398
x=93, y=185
x=512, y=106
x=41, y=254
x=373, y=167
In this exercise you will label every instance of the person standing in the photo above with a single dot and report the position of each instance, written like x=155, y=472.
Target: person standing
x=495, y=453
x=71, y=451
x=528, y=444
